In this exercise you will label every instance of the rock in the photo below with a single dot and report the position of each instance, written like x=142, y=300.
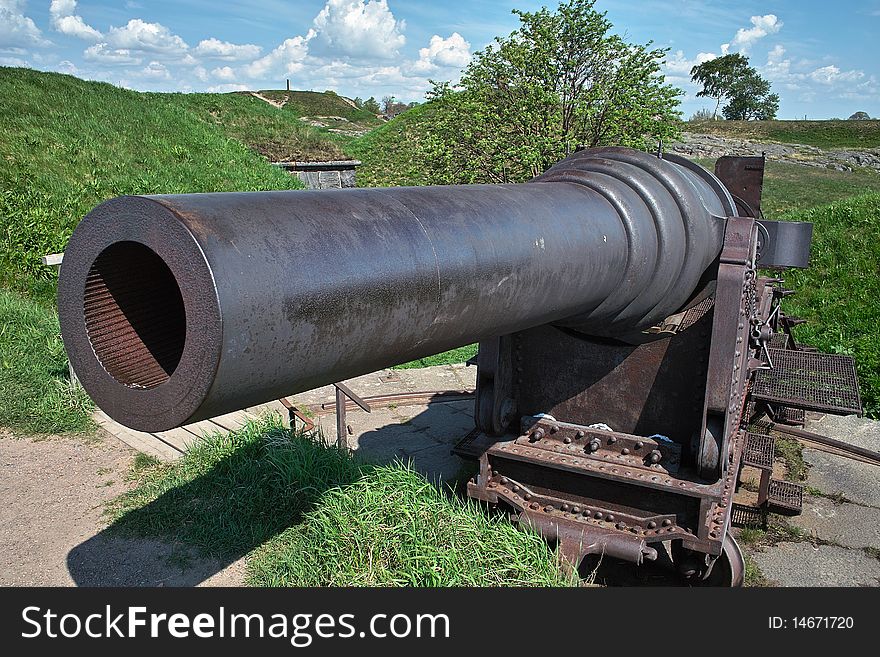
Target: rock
x=803, y=564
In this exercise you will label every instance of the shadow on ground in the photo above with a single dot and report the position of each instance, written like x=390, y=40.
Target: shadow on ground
x=139, y=550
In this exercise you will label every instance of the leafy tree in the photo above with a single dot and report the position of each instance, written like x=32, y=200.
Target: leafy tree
x=731, y=78
x=359, y=102
x=372, y=106
x=559, y=82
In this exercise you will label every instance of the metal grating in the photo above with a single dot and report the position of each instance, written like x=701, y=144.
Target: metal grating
x=786, y=495
x=789, y=415
x=779, y=341
x=759, y=451
x=694, y=314
x=743, y=515
x=810, y=381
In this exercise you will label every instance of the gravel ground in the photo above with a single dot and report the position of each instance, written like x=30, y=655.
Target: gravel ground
x=51, y=526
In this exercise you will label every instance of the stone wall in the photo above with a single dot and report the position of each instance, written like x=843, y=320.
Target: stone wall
x=335, y=174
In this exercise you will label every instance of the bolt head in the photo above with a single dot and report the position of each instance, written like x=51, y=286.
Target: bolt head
x=667, y=522
x=579, y=435
x=639, y=445
x=652, y=524
x=610, y=517
x=655, y=456
x=548, y=508
x=624, y=451
x=566, y=440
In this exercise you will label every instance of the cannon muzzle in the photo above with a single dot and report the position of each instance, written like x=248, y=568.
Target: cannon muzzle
x=179, y=308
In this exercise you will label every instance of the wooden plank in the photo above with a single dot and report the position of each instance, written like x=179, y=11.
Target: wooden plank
x=179, y=437
x=52, y=259
x=139, y=440
x=233, y=421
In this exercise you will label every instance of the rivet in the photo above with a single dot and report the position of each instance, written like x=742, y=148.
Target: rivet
x=620, y=525
x=597, y=515
x=639, y=445
x=566, y=440
x=667, y=522
x=612, y=440
x=535, y=506
x=610, y=517
x=548, y=508
x=554, y=429
x=575, y=509
x=579, y=435
x=527, y=497
x=565, y=507
x=624, y=451
x=651, y=524
x=503, y=480
x=516, y=489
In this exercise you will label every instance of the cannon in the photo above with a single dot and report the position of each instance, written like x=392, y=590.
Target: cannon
x=621, y=321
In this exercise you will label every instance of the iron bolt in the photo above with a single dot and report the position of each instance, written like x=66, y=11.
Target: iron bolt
x=594, y=445
x=655, y=456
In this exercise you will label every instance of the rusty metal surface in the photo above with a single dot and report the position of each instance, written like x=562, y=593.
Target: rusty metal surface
x=811, y=381
x=287, y=291
x=744, y=177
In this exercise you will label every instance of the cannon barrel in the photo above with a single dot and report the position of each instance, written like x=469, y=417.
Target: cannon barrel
x=182, y=307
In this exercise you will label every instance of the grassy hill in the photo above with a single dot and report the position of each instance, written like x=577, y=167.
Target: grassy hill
x=391, y=154
x=335, y=117
x=823, y=134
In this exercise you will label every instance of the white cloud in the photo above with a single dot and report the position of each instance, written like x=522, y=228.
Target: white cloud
x=216, y=49
x=831, y=75
x=16, y=29
x=452, y=52
x=100, y=52
x=761, y=27
x=225, y=73
x=226, y=88
x=286, y=58
x=65, y=20
x=146, y=37
x=13, y=61
x=155, y=71
x=359, y=28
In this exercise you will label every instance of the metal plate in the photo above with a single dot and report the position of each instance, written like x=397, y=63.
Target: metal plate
x=786, y=495
x=758, y=451
x=810, y=381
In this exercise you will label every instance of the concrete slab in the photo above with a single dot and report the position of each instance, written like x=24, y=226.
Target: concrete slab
x=802, y=564
x=834, y=475
x=849, y=525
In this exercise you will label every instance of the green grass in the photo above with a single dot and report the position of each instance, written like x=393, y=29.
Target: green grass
x=35, y=391
x=313, y=103
x=312, y=515
x=792, y=188
x=823, y=134
x=67, y=145
x=277, y=135
x=390, y=155
x=451, y=357
x=840, y=292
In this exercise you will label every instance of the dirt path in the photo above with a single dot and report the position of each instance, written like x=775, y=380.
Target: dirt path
x=53, y=492
x=273, y=103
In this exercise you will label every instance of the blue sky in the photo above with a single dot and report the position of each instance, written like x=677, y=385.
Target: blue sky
x=821, y=57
